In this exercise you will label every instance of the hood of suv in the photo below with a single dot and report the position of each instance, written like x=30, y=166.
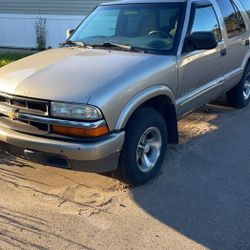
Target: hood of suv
x=69, y=74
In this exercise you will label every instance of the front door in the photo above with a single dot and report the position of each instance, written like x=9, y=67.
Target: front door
x=200, y=71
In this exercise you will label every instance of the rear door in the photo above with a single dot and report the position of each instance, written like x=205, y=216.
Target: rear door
x=236, y=40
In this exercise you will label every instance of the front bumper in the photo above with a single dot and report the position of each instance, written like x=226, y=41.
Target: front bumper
x=99, y=156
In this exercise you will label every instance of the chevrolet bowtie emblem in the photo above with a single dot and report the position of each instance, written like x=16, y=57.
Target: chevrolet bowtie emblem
x=13, y=114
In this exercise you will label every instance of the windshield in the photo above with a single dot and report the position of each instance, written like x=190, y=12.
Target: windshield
x=150, y=27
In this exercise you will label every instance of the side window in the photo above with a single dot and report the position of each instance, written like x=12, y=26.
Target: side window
x=246, y=5
x=205, y=19
x=232, y=18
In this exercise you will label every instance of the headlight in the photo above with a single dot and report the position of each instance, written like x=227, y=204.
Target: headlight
x=75, y=111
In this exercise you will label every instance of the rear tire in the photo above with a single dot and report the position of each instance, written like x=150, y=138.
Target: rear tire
x=239, y=96
x=144, y=148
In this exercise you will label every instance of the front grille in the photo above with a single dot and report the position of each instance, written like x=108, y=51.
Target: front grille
x=33, y=106
x=37, y=106
x=27, y=106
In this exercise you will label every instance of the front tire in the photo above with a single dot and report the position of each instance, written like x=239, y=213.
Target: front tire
x=239, y=96
x=145, y=147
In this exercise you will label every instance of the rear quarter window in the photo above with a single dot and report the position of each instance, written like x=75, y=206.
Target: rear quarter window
x=246, y=5
x=232, y=17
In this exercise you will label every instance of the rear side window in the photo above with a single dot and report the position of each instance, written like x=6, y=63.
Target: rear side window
x=232, y=18
x=246, y=5
x=205, y=19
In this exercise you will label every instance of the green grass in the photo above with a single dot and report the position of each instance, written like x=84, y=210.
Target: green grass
x=9, y=58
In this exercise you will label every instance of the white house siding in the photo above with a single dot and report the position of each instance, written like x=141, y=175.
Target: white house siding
x=18, y=18
x=54, y=7
x=18, y=30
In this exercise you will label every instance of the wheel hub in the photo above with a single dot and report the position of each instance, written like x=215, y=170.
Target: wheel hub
x=246, y=88
x=149, y=149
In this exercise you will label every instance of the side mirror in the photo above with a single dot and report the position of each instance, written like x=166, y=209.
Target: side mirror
x=202, y=40
x=69, y=32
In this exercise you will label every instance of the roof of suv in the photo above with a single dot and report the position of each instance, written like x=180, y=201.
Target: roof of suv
x=143, y=1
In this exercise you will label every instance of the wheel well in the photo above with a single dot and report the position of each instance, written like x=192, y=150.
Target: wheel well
x=248, y=61
x=164, y=105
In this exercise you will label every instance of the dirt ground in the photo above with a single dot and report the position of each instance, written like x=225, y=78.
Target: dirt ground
x=200, y=200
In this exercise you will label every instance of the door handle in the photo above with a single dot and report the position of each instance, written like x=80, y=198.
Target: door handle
x=223, y=52
x=247, y=42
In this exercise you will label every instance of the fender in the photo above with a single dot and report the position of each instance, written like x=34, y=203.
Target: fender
x=139, y=99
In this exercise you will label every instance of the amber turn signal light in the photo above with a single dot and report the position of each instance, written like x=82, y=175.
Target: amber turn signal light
x=80, y=132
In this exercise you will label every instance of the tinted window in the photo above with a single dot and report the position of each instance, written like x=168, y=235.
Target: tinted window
x=205, y=19
x=232, y=17
x=246, y=5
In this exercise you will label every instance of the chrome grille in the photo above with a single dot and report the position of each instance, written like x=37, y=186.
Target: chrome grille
x=26, y=106
x=31, y=106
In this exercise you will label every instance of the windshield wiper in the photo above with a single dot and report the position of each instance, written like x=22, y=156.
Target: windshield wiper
x=78, y=44
x=119, y=46
x=105, y=45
